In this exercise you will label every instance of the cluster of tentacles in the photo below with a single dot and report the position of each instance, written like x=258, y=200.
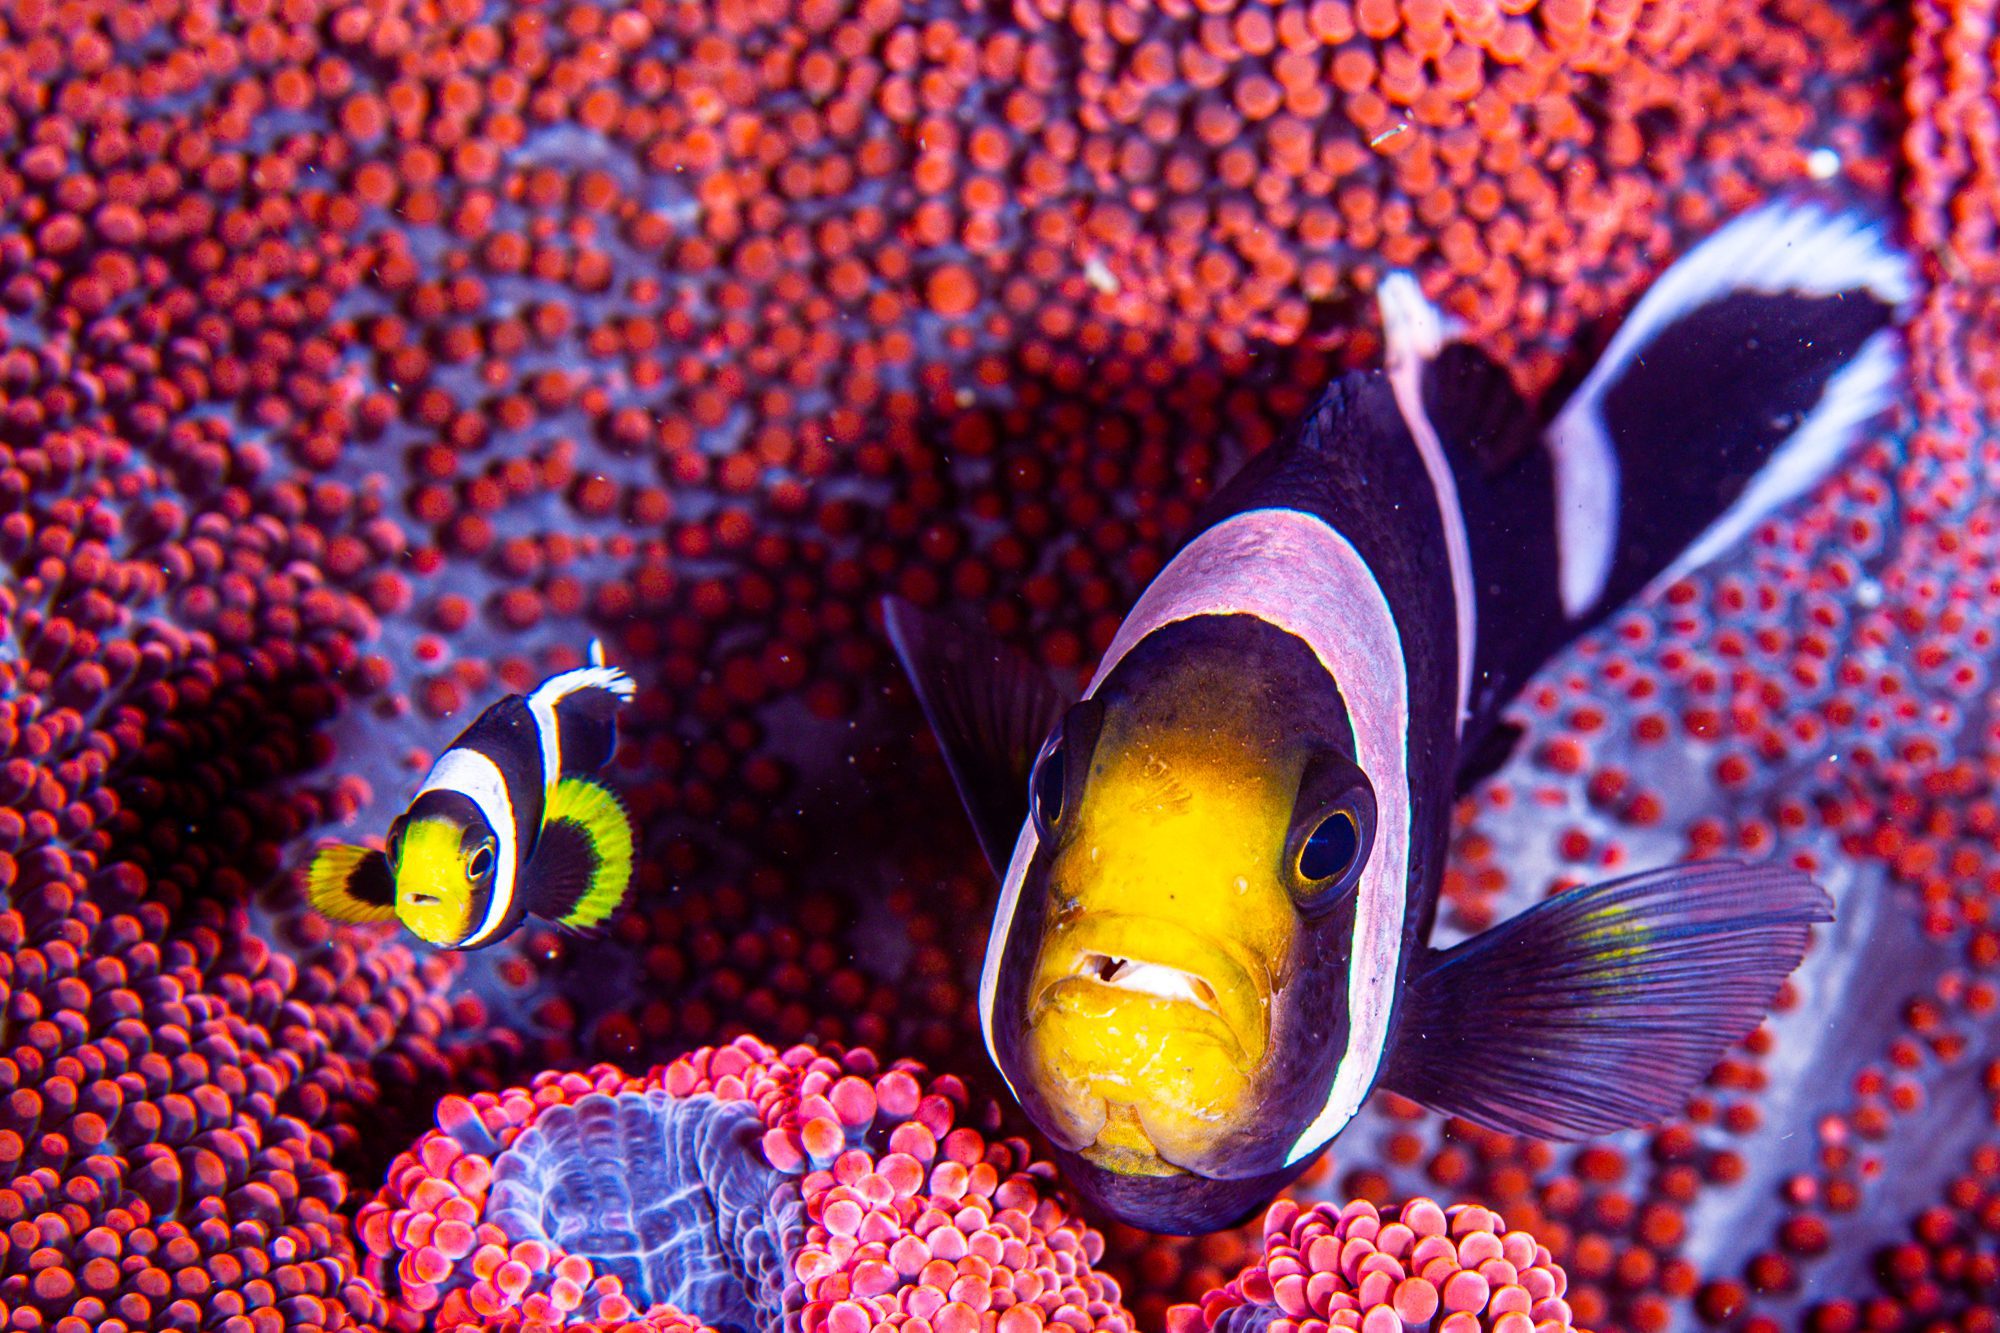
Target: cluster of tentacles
x=361, y=361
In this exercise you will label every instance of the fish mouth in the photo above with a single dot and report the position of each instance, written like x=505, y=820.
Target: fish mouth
x=1125, y=1146
x=1141, y=1059
x=1143, y=978
x=1151, y=994
x=1163, y=962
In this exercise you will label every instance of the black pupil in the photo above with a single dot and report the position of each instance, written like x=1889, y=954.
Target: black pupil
x=1330, y=849
x=481, y=859
x=1049, y=784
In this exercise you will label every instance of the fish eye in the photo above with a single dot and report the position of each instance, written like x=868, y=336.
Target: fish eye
x=1329, y=852
x=1328, y=845
x=480, y=864
x=1051, y=779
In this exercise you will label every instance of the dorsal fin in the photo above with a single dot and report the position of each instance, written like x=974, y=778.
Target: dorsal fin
x=1501, y=492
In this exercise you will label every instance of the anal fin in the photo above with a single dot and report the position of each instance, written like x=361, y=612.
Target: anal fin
x=990, y=708
x=349, y=883
x=581, y=872
x=1600, y=1009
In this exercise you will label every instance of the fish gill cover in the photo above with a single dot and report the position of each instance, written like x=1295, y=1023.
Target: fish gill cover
x=361, y=361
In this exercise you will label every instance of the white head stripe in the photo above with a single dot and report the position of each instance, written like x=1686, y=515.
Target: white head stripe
x=1293, y=571
x=477, y=778
x=1025, y=847
x=1416, y=334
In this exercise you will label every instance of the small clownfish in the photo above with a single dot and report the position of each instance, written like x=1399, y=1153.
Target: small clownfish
x=1220, y=866
x=506, y=823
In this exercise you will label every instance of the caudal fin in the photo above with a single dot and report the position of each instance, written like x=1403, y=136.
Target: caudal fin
x=349, y=883
x=581, y=872
x=1735, y=385
x=1600, y=1009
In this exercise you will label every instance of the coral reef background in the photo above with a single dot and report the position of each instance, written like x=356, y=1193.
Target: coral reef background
x=360, y=361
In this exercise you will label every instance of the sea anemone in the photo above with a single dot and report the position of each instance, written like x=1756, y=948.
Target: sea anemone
x=169, y=1115
x=736, y=1188
x=360, y=361
x=1453, y=1270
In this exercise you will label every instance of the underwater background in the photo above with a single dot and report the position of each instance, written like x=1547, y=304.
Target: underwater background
x=363, y=361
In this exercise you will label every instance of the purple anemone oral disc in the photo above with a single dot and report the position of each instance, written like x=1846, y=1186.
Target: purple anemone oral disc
x=671, y=1196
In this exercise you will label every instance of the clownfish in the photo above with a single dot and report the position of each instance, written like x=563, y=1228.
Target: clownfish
x=1220, y=866
x=507, y=822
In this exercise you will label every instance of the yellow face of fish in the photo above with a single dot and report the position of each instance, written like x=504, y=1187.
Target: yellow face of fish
x=444, y=874
x=1169, y=936
x=1171, y=994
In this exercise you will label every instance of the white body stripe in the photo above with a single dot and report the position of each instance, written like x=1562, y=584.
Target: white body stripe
x=542, y=707
x=1585, y=467
x=1293, y=571
x=548, y=731
x=1777, y=248
x=1415, y=333
x=478, y=779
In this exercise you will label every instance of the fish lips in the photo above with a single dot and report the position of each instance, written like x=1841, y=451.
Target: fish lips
x=1304, y=1035
x=1216, y=988
x=1131, y=1076
x=1131, y=1058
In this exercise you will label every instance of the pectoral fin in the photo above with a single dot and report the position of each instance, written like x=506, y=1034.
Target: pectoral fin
x=1600, y=1009
x=991, y=709
x=1488, y=753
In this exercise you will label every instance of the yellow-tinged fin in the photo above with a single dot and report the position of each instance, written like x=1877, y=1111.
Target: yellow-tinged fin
x=1601, y=1008
x=581, y=872
x=349, y=883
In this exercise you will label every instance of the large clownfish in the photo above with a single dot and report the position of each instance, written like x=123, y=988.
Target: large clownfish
x=508, y=821
x=1220, y=866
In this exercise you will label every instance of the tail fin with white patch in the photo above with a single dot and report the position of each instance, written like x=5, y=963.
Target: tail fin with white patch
x=1736, y=384
x=581, y=872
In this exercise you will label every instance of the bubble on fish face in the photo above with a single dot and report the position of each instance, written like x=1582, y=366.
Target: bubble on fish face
x=672, y=1196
